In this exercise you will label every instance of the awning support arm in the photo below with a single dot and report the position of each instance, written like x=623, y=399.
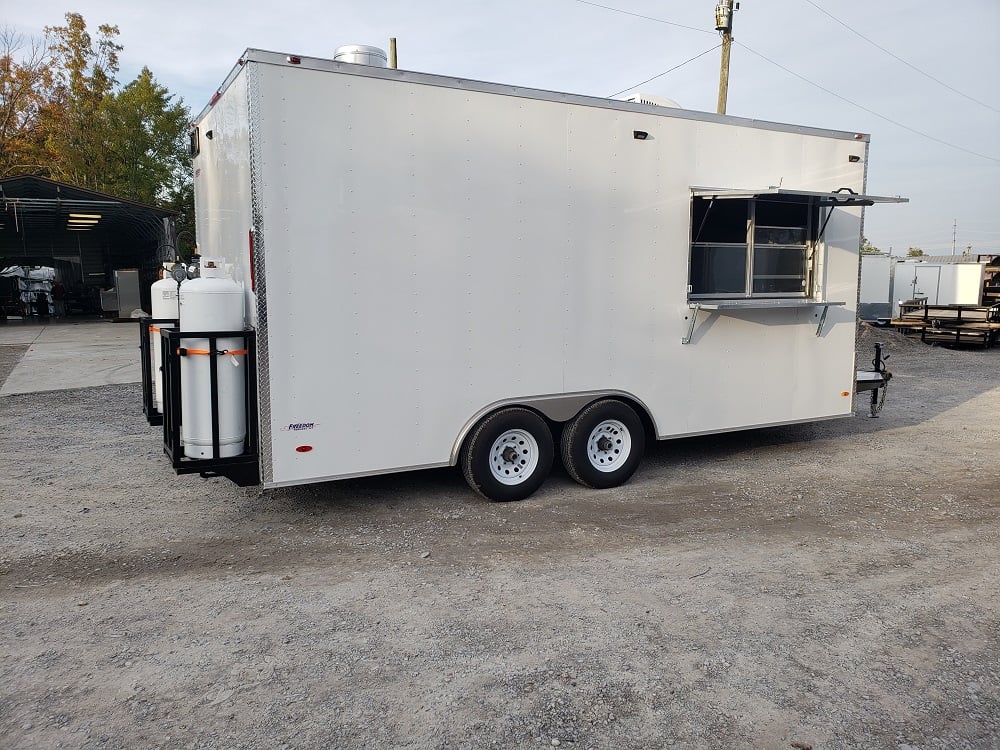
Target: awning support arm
x=691, y=321
x=822, y=321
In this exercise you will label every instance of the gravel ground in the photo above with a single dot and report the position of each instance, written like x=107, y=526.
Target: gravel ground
x=829, y=586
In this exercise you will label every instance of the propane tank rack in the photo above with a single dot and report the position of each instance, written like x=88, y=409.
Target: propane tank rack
x=243, y=469
x=146, y=323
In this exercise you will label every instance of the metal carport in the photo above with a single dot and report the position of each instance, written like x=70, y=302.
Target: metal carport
x=49, y=223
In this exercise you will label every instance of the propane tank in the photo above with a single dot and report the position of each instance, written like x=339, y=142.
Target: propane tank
x=163, y=303
x=208, y=304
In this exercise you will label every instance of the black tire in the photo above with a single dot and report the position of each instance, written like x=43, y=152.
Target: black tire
x=622, y=430
x=499, y=446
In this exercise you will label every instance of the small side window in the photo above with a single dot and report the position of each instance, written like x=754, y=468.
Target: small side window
x=195, y=142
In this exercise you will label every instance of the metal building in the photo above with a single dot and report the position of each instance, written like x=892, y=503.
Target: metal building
x=85, y=234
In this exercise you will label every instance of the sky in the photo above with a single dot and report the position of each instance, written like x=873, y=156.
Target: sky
x=922, y=77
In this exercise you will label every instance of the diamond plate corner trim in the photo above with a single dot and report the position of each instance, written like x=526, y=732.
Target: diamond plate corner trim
x=257, y=211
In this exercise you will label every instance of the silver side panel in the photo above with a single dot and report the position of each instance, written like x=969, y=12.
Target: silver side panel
x=256, y=116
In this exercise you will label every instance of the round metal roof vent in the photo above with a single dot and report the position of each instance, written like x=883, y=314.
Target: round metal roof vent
x=361, y=54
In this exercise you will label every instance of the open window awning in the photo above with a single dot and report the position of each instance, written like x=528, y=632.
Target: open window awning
x=842, y=197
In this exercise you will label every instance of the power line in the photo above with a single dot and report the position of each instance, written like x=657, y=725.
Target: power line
x=900, y=59
x=648, y=18
x=803, y=78
x=866, y=109
x=660, y=75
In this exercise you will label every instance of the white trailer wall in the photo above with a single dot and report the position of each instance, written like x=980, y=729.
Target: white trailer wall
x=875, y=294
x=427, y=251
x=940, y=283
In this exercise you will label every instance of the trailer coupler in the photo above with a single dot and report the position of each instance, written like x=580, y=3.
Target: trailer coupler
x=875, y=380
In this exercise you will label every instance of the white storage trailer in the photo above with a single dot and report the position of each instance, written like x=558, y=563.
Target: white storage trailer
x=940, y=283
x=887, y=281
x=439, y=271
x=875, y=303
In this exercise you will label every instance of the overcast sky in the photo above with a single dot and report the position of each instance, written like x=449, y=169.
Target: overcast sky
x=949, y=167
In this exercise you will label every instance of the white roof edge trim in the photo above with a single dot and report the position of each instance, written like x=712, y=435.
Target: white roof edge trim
x=254, y=55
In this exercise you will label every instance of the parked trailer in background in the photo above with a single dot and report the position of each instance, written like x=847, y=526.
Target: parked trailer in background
x=887, y=281
x=875, y=298
x=442, y=272
x=940, y=283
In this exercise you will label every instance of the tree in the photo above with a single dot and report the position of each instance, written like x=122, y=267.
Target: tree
x=26, y=83
x=915, y=252
x=75, y=116
x=144, y=153
x=867, y=248
x=63, y=115
x=181, y=200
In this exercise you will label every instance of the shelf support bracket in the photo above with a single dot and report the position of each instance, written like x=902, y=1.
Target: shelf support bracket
x=692, y=320
x=822, y=321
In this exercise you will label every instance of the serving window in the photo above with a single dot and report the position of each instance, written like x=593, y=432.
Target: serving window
x=759, y=246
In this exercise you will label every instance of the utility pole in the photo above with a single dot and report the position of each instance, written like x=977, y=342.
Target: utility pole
x=954, y=232
x=724, y=23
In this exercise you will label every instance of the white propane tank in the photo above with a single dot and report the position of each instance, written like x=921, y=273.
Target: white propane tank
x=208, y=304
x=163, y=303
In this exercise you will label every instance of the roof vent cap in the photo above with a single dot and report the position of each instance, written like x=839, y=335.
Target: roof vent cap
x=656, y=101
x=361, y=54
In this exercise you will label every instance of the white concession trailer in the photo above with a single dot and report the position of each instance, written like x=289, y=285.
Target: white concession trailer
x=439, y=272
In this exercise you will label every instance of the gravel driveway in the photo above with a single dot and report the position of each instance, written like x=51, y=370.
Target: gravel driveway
x=832, y=585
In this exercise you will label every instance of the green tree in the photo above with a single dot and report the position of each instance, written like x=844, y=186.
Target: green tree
x=26, y=83
x=74, y=118
x=181, y=200
x=915, y=252
x=144, y=153
x=867, y=248
x=64, y=115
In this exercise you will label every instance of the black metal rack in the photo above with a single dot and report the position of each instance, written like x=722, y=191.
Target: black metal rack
x=244, y=469
x=152, y=414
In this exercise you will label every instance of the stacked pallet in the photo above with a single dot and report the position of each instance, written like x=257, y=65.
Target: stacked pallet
x=950, y=324
x=991, y=285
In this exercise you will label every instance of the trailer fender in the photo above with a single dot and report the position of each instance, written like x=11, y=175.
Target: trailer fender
x=560, y=408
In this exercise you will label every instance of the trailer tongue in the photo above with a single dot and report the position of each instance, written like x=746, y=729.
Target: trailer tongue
x=875, y=380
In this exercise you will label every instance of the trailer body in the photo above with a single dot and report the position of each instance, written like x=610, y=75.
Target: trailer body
x=875, y=297
x=419, y=252
x=940, y=283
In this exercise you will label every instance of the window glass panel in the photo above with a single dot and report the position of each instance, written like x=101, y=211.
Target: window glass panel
x=781, y=213
x=720, y=220
x=780, y=235
x=718, y=269
x=779, y=286
x=779, y=270
x=779, y=261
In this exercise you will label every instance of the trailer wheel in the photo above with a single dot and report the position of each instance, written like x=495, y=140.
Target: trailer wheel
x=603, y=445
x=508, y=455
